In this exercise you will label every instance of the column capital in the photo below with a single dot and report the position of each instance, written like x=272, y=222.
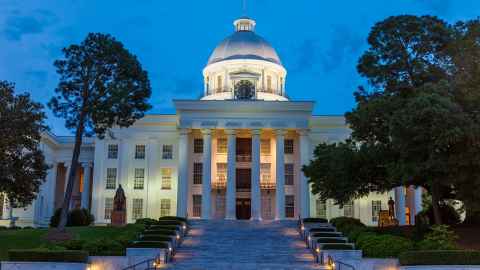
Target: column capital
x=87, y=164
x=256, y=132
x=184, y=131
x=206, y=131
x=303, y=132
x=280, y=132
x=230, y=131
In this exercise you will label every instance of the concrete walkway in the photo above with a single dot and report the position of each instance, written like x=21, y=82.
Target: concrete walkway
x=243, y=245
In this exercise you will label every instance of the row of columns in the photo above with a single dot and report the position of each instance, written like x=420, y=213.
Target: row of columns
x=182, y=196
x=400, y=204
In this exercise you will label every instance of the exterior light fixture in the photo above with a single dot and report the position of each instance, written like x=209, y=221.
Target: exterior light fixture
x=178, y=236
x=184, y=227
x=330, y=263
x=317, y=250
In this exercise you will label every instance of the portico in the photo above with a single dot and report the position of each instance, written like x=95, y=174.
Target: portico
x=243, y=159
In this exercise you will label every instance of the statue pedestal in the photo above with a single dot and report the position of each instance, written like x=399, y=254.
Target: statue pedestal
x=119, y=218
x=119, y=212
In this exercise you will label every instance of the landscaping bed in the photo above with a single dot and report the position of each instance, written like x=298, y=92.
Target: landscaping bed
x=440, y=257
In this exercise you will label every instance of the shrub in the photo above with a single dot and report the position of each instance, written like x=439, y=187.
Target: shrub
x=440, y=257
x=322, y=230
x=327, y=234
x=383, y=246
x=337, y=247
x=104, y=247
x=331, y=240
x=161, y=227
x=44, y=255
x=28, y=228
x=146, y=221
x=316, y=220
x=440, y=238
x=3, y=228
x=76, y=217
x=340, y=222
x=148, y=244
x=174, y=218
x=354, y=232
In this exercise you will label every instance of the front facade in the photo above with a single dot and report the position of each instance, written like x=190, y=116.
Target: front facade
x=236, y=153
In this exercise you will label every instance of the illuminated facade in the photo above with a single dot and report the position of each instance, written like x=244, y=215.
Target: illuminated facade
x=236, y=153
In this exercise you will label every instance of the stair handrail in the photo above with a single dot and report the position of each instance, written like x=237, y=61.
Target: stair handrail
x=331, y=262
x=154, y=263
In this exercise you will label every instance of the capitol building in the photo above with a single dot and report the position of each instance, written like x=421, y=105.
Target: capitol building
x=235, y=153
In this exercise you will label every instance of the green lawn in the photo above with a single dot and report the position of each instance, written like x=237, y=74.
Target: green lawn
x=33, y=238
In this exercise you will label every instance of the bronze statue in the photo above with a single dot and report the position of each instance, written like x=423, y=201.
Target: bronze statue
x=391, y=207
x=119, y=212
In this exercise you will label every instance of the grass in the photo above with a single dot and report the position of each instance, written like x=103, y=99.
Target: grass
x=34, y=238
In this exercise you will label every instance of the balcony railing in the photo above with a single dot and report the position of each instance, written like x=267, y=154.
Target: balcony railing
x=219, y=185
x=267, y=185
x=244, y=158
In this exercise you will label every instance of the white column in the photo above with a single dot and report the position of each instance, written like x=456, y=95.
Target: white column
x=182, y=189
x=207, y=174
x=256, y=195
x=417, y=202
x=50, y=199
x=400, y=205
x=303, y=185
x=86, y=185
x=231, y=174
x=280, y=176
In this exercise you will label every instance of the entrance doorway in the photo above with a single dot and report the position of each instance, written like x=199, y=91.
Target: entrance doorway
x=243, y=208
x=243, y=179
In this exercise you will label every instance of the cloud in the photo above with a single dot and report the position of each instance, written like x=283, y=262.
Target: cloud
x=345, y=45
x=17, y=25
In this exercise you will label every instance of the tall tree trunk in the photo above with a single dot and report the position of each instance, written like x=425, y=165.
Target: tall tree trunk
x=437, y=216
x=73, y=172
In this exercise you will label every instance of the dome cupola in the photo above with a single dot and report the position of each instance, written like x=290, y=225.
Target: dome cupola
x=244, y=59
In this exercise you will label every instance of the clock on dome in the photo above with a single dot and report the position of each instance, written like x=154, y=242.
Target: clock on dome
x=244, y=90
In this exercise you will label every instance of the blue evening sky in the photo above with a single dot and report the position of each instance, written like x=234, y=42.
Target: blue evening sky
x=319, y=41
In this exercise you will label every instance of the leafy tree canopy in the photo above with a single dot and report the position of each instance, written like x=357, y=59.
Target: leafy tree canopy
x=22, y=165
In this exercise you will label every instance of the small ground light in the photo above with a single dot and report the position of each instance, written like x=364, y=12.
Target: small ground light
x=330, y=263
x=178, y=236
x=157, y=263
x=184, y=227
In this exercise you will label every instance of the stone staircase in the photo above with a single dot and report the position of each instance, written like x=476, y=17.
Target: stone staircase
x=243, y=245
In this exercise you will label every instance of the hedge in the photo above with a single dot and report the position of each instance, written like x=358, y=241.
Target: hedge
x=173, y=218
x=35, y=255
x=332, y=240
x=155, y=237
x=383, y=246
x=440, y=257
x=148, y=244
x=322, y=230
x=164, y=227
x=337, y=247
x=160, y=231
x=327, y=234
x=316, y=220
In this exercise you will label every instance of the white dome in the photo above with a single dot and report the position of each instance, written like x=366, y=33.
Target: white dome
x=244, y=44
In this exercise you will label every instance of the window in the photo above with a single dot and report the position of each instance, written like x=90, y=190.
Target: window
x=139, y=178
x=222, y=172
x=269, y=83
x=113, y=151
x=167, y=151
x=137, y=209
x=321, y=208
x=376, y=207
x=348, y=209
x=197, y=173
x=198, y=146
x=166, y=178
x=289, y=206
x=288, y=146
x=139, y=151
x=197, y=205
x=165, y=206
x=108, y=208
x=221, y=146
x=265, y=172
x=265, y=146
x=289, y=174
x=111, y=182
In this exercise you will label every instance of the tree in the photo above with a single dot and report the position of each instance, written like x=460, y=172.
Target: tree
x=22, y=164
x=101, y=85
x=419, y=121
